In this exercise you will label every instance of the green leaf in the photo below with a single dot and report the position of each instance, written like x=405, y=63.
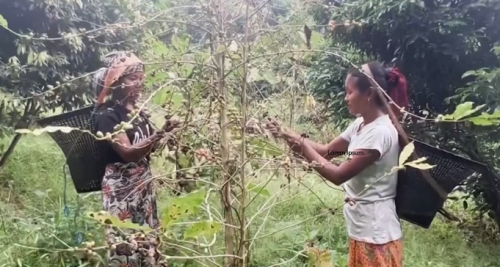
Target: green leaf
x=259, y=190
x=187, y=70
x=319, y=257
x=312, y=234
x=203, y=228
x=177, y=99
x=496, y=50
x=481, y=121
x=254, y=75
x=3, y=22
x=263, y=146
x=269, y=77
x=184, y=160
x=104, y=218
x=182, y=206
x=465, y=109
x=406, y=153
x=462, y=109
x=420, y=166
x=469, y=73
x=486, y=119
x=160, y=97
x=316, y=39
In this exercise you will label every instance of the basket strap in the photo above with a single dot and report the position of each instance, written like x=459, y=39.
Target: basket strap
x=401, y=132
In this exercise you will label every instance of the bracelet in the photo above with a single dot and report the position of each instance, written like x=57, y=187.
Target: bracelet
x=304, y=135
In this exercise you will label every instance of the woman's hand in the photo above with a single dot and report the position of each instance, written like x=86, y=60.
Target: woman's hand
x=274, y=128
x=171, y=124
x=157, y=136
x=279, y=132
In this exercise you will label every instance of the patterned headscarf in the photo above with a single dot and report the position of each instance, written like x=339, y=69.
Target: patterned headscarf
x=118, y=64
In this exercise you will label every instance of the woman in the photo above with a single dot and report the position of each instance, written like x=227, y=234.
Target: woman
x=127, y=188
x=372, y=142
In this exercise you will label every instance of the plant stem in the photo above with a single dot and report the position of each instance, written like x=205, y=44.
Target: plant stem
x=224, y=141
x=243, y=245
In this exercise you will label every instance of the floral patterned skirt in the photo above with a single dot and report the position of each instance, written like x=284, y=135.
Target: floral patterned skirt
x=127, y=193
x=363, y=254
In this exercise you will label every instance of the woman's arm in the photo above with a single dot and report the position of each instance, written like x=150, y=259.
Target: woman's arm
x=369, y=149
x=346, y=170
x=134, y=153
x=328, y=151
x=105, y=123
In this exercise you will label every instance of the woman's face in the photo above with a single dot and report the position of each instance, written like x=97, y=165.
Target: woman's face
x=133, y=85
x=357, y=102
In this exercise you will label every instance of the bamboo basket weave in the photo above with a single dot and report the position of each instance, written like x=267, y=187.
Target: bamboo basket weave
x=85, y=160
x=416, y=201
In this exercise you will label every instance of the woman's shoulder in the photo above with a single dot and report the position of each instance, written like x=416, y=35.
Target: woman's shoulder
x=107, y=116
x=109, y=111
x=384, y=125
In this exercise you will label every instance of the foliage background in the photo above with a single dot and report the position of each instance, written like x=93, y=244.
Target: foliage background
x=448, y=50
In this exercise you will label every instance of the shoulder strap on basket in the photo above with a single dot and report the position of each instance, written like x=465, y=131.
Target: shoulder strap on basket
x=402, y=133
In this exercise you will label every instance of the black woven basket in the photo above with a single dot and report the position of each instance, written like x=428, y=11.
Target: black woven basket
x=416, y=201
x=85, y=160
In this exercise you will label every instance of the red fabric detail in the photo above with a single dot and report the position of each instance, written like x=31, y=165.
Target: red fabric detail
x=399, y=91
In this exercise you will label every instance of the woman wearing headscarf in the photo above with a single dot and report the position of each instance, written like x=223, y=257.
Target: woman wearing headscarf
x=127, y=188
x=371, y=143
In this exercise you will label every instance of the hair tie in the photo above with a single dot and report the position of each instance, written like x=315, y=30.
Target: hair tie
x=399, y=90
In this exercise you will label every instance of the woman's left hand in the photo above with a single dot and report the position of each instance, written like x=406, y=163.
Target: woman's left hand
x=172, y=124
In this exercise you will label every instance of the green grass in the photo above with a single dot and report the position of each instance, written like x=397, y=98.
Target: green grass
x=31, y=195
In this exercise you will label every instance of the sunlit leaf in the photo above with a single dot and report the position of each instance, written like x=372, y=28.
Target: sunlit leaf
x=106, y=219
x=203, y=228
x=461, y=111
x=481, y=121
x=184, y=160
x=310, y=102
x=254, y=75
x=260, y=190
x=262, y=146
x=319, y=257
x=486, y=119
x=466, y=111
x=406, y=153
x=161, y=97
x=316, y=38
x=421, y=166
x=182, y=207
x=468, y=73
x=312, y=234
x=270, y=77
x=3, y=22
x=419, y=160
x=233, y=46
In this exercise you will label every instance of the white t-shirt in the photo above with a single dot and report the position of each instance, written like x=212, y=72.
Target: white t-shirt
x=373, y=217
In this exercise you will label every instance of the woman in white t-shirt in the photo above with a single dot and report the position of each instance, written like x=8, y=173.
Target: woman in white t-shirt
x=371, y=142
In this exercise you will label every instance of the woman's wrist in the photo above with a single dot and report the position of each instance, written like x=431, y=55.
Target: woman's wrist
x=291, y=137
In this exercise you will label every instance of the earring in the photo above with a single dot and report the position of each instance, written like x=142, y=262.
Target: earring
x=369, y=99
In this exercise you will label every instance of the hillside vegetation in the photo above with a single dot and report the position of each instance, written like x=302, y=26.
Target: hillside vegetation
x=223, y=68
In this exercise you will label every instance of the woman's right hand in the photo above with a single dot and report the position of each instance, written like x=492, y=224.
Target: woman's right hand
x=278, y=132
x=274, y=128
x=157, y=136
